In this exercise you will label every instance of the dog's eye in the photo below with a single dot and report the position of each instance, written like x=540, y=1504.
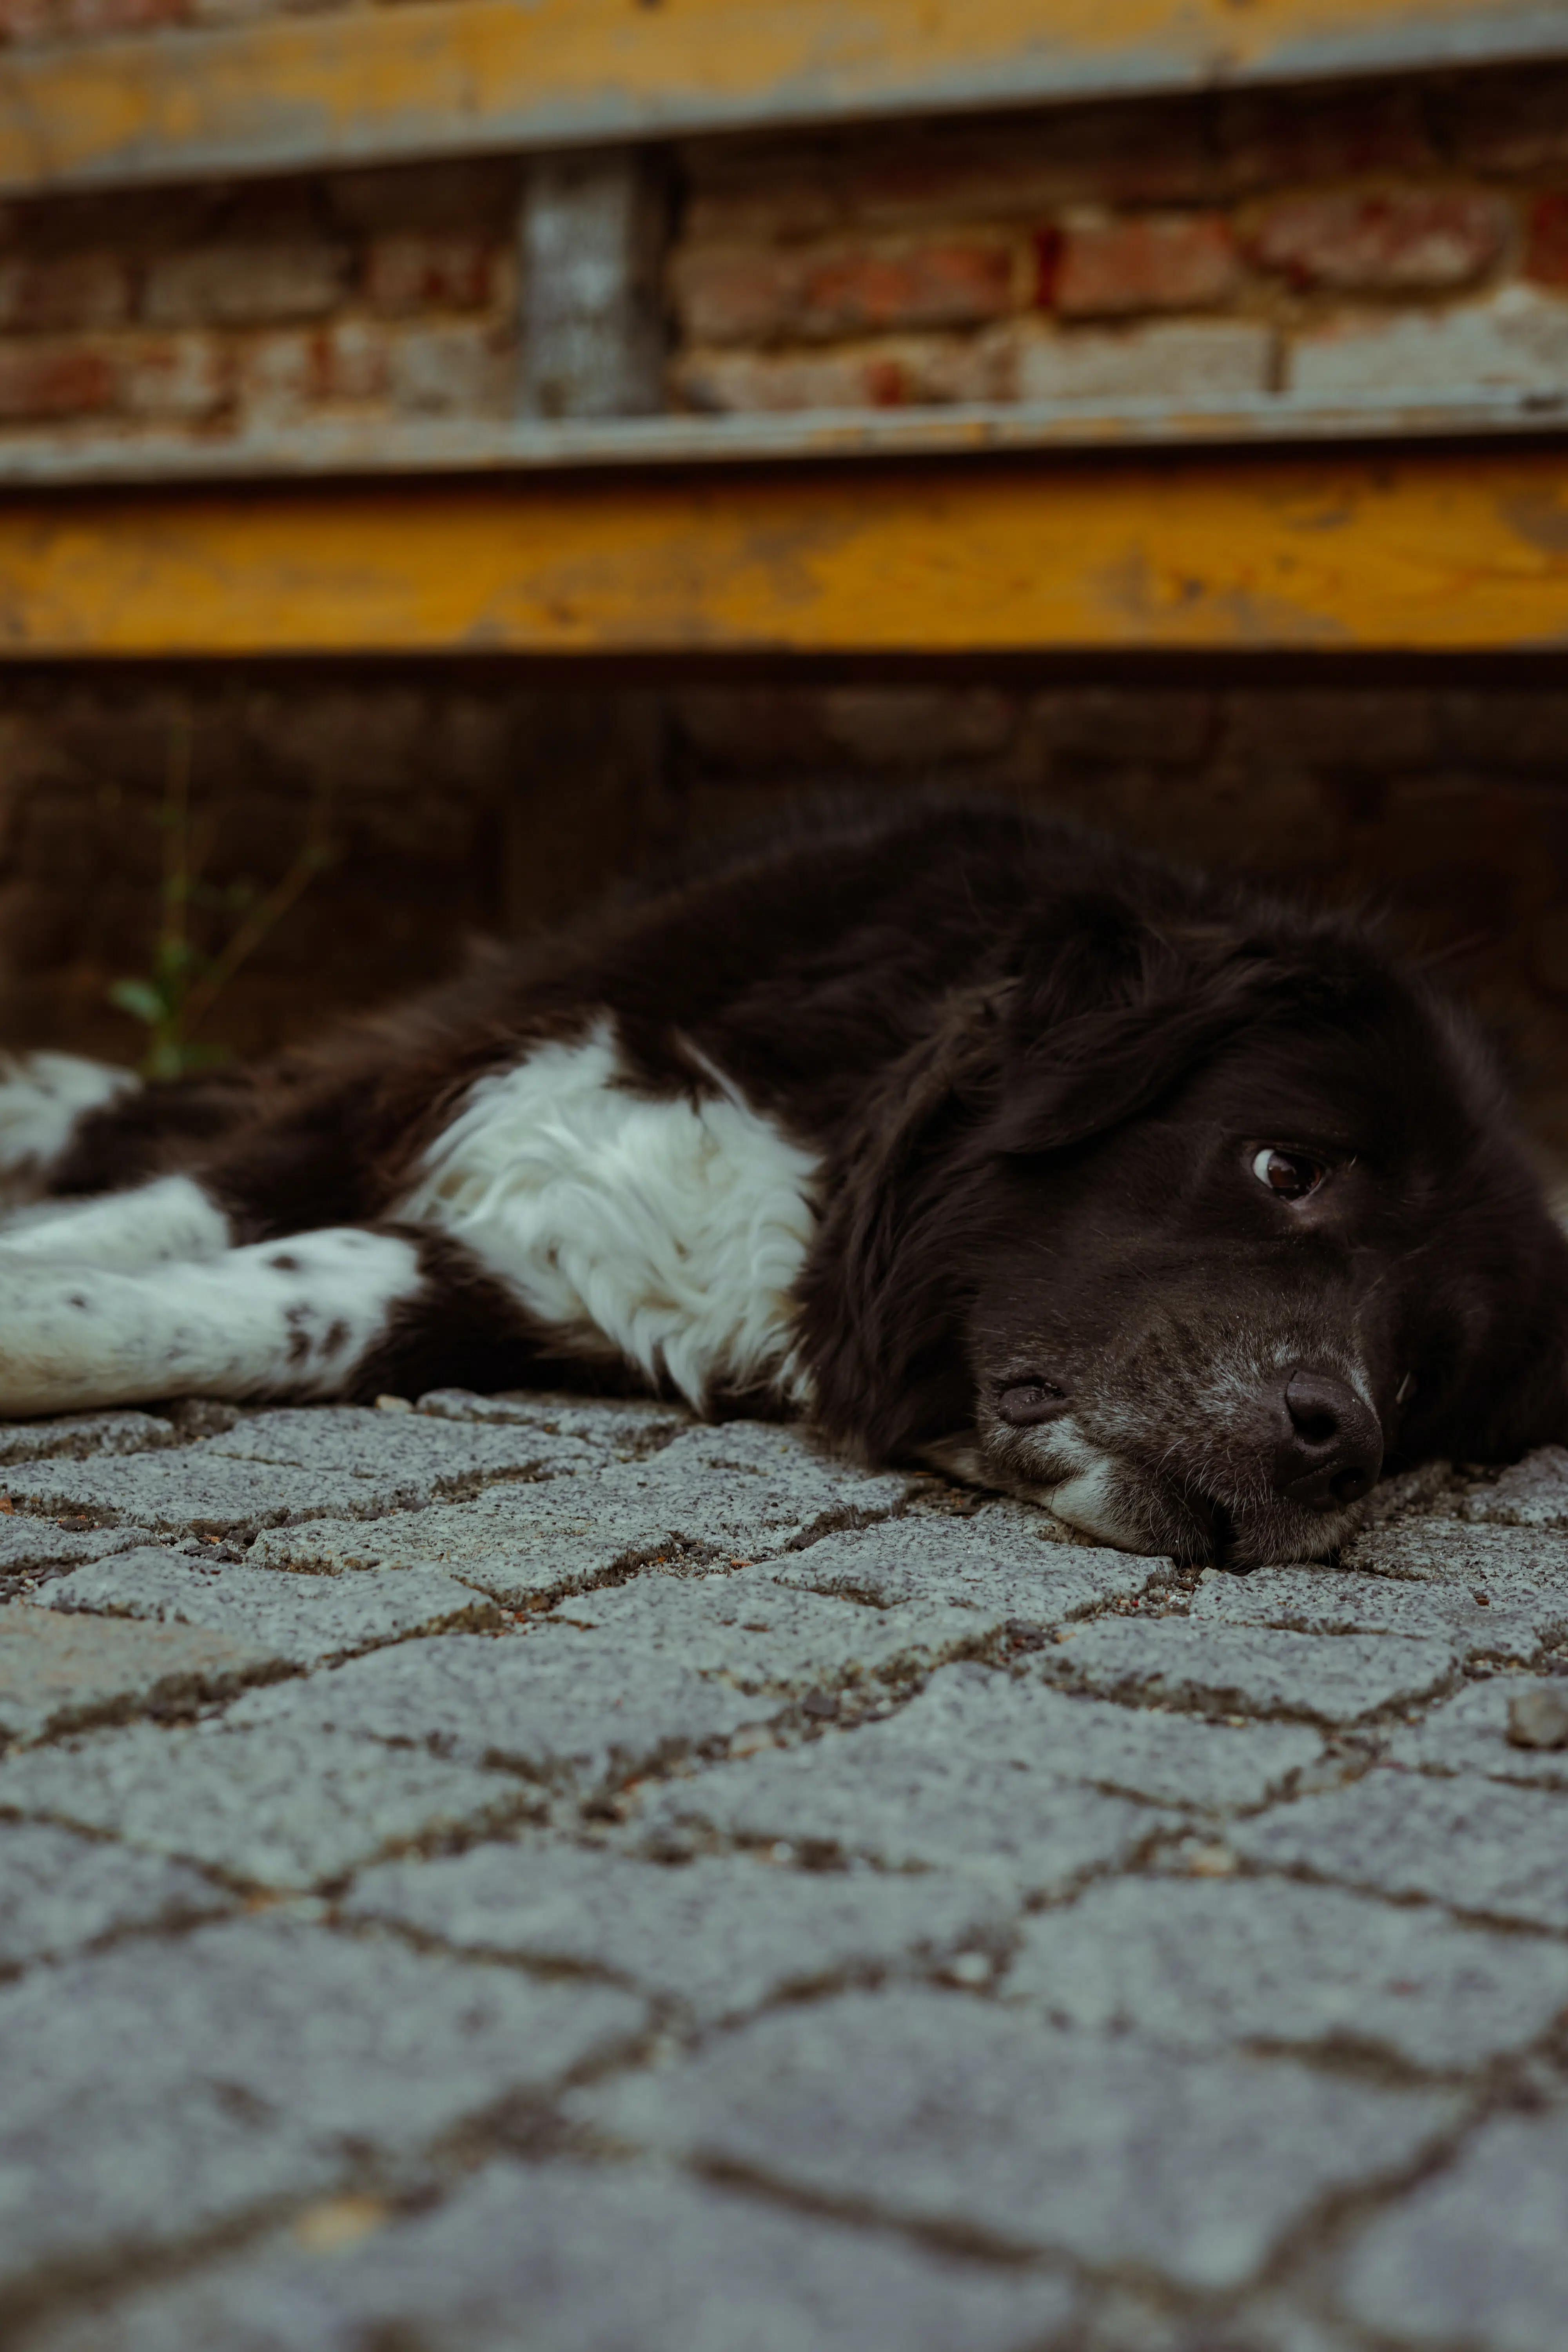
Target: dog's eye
x=1028, y=1402
x=1290, y=1174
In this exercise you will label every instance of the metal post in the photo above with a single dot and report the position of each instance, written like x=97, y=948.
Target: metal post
x=593, y=231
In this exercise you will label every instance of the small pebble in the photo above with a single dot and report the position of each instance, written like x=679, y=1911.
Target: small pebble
x=1538, y=1718
x=393, y=1404
x=1209, y=1861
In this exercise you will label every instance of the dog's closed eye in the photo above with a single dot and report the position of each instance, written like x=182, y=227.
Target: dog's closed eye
x=1027, y=1402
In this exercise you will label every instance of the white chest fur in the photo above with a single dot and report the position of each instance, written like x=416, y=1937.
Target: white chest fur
x=666, y=1231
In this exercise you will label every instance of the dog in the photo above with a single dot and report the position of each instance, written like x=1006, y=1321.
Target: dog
x=982, y=1141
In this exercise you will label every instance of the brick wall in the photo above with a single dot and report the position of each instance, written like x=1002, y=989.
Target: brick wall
x=1399, y=239
x=1395, y=241
x=222, y=310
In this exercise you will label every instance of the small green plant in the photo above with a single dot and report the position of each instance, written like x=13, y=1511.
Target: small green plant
x=173, y=998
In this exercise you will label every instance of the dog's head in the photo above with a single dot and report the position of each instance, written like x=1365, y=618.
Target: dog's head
x=1219, y=1224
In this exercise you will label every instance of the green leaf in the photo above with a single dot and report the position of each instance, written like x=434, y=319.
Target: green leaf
x=173, y=960
x=136, y=997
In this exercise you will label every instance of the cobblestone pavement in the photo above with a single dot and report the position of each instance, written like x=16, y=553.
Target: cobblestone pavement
x=543, y=1873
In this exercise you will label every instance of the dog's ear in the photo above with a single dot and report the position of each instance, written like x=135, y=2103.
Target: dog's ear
x=1109, y=1010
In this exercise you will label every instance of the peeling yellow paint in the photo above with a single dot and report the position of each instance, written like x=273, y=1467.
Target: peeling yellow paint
x=436, y=76
x=1428, y=551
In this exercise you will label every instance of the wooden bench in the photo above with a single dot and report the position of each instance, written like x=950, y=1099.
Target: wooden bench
x=1420, y=527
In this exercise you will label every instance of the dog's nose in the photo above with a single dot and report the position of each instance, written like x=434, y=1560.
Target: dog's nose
x=1330, y=1446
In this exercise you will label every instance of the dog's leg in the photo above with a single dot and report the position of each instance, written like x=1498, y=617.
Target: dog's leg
x=43, y=1098
x=172, y=1217
x=347, y=1311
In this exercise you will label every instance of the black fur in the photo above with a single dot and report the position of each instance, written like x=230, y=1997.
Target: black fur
x=1036, y=1070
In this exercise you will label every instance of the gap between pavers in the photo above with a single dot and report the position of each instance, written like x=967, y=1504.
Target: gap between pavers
x=59, y=1674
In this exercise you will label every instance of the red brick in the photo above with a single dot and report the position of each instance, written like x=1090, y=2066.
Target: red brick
x=428, y=273
x=73, y=289
x=42, y=382
x=1159, y=262
x=234, y=282
x=891, y=372
x=746, y=294
x=1546, y=252
x=452, y=370
x=278, y=375
x=1403, y=239
x=355, y=361
x=1186, y=360
x=179, y=377
x=281, y=375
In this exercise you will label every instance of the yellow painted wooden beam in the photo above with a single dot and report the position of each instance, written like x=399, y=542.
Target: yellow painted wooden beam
x=436, y=77
x=1426, y=551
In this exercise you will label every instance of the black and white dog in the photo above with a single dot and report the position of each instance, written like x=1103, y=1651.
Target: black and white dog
x=981, y=1142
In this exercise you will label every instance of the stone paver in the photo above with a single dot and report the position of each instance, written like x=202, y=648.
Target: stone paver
x=1513, y=1568
x=1478, y=2254
x=746, y=1628
x=621, y=1429
x=304, y=1621
x=278, y=1807
x=964, y=1779
x=250, y=2063
x=519, y=2257
x=738, y=1493
x=520, y=1543
x=1471, y=1844
x=721, y=1937
x=412, y=1451
x=1251, y=1670
x=559, y=1705
x=77, y=1435
x=193, y=1490
x=1533, y=1494
x=1003, y=1561
x=933, y=2107
x=58, y=1891
x=32, y=1550
x=59, y=1672
x=1477, y=1619
x=1204, y=1964
x=535, y=1869
x=1469, y=1733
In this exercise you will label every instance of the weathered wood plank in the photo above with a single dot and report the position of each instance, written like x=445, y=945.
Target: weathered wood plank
x=1428, y=550
x=491, y=445
x=439, y=77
